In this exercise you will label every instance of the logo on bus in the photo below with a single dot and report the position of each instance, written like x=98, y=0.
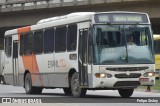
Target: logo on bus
x=56, y=63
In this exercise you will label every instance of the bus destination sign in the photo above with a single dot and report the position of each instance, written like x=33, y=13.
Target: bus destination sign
x=121, y=18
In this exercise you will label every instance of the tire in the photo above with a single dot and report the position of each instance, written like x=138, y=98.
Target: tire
x=125, y=93
x=3, y=81
x=37, y=90
x=28, y=86
x=0, y=79
x=67, y=91
x=75, y=87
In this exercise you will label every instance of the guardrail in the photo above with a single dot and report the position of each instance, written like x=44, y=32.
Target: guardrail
x=17, y=5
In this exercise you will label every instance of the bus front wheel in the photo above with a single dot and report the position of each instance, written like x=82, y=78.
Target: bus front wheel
x=28, y=86
x=125, y=93
x=77, y=91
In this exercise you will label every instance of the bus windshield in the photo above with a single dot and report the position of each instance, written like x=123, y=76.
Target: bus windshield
x=121, y=44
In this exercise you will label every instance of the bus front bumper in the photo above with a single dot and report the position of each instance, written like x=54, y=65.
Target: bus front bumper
x=147, y=81
x=122, y=83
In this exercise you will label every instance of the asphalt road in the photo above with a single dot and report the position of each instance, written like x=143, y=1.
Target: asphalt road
x=93, y=98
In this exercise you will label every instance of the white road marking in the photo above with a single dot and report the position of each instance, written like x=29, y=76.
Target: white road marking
x=16, y=92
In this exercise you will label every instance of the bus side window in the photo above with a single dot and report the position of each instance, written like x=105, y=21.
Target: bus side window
x=8, y=46
x=90, y=44
x=48, y=40
x=38, y=42
x=21, y=44
x=60, y=39
x=28, y=43
x=1, y=43
x=72, y=37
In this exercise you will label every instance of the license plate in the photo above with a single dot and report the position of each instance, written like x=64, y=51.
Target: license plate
x=143, y=79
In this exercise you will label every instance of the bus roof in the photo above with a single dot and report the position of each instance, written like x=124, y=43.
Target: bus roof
x=65, y=19
x=77, y=14
x=65, y=16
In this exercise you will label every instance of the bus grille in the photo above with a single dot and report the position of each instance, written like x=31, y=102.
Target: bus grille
x=132, y=75
x=127, y=69
x=126, y=83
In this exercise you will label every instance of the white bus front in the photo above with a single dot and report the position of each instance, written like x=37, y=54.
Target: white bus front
x=122, y=52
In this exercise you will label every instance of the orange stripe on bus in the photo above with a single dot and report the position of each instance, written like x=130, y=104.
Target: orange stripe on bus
x=29, y=62
x=23, y=30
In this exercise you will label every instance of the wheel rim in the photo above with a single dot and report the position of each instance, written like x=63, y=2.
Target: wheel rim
x=27, y=85
x=76, y=85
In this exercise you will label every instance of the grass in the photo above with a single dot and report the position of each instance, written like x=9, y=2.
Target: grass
x=155, y=87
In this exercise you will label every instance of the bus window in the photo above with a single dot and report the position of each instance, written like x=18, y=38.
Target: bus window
x=114, y=39
x=49, y=40
x=28, y=43
x=140, y=52
x=60, y=39
x=8, y=46
x=72, y=37
x=21, y=44
x=1, y=43
x=38, y=42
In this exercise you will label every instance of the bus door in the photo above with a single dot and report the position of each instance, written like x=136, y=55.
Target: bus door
x=15, y=62
x=82, y=58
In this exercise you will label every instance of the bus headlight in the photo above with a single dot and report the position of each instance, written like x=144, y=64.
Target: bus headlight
x=149, y=74
x=103, y=75
x=100, y=75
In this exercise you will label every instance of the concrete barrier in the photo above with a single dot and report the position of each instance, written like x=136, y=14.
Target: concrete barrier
x=18, y=5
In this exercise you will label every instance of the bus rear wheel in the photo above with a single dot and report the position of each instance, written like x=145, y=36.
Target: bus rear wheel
x=125, y=93
x=77, y=91
x=28, y=86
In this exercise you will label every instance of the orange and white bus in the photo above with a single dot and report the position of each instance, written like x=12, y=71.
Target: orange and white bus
x=80, y=52
x=1, y=66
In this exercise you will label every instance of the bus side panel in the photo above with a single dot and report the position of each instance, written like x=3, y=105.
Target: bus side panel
x=1, y=62
x=8, y=71
x=29, y=62
x=45, y=64
x=62, y=66
x=8, y=68
x=21, y=71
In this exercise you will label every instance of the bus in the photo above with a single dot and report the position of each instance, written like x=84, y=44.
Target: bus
x=157, y=54
x=82, y=51
x=1, y=66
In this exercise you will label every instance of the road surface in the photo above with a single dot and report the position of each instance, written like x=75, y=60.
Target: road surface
x=93, y=98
